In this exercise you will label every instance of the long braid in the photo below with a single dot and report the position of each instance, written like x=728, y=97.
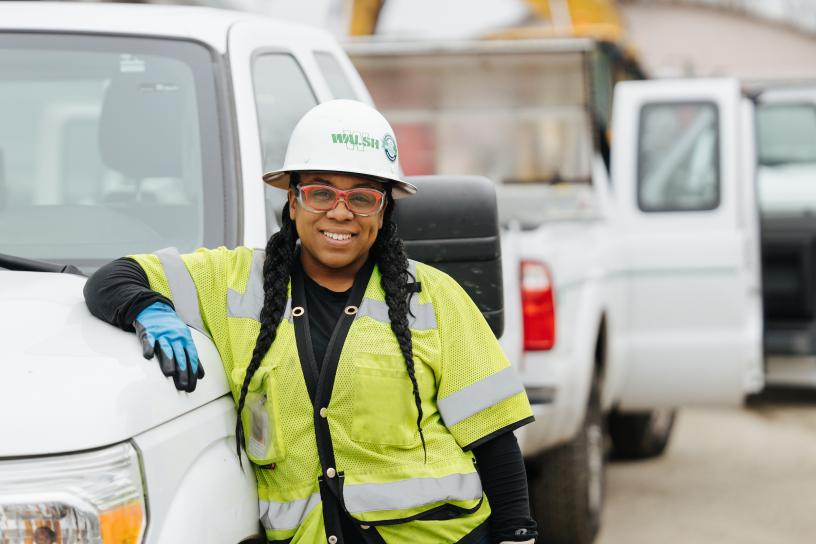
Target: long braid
x=393, y=263
x=277, y=268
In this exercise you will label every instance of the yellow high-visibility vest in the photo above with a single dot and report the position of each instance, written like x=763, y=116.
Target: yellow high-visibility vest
x=350, y=431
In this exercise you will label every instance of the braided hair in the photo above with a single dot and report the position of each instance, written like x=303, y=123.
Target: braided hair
x=277, y=268
x=392, y=260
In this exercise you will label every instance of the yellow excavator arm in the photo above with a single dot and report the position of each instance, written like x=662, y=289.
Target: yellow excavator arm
x=364, y=16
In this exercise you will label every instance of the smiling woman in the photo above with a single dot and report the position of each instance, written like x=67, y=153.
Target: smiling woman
x=373, y=385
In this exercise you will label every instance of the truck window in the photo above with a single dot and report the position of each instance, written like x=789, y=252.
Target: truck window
x=678, y=157
x=282, y=96
x=107, y=131
x=334, y=75
x=786, y=145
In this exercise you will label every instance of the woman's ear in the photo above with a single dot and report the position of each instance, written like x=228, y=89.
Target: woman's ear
x=292, y=203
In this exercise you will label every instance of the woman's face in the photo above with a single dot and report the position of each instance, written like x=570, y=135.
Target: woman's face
x=335, y=239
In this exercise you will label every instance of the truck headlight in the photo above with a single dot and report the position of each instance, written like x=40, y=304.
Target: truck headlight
x=85, y=498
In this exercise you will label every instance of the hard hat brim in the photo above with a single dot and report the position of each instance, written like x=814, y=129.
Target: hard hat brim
x=399, y=188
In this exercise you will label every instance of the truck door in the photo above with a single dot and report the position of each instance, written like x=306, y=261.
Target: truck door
x=276, y=79
x=686, y=271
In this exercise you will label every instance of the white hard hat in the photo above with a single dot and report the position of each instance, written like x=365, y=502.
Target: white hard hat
x=343, y=136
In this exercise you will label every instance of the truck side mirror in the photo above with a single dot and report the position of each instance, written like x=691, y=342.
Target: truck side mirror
x=452, y=224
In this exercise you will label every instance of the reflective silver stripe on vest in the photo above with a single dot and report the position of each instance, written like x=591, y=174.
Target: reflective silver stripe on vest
x=422, y=316
x=412, y=268
x=249, y=303
x=416, y=492
x=182, y=288
x=283, y=516
x=478, y=396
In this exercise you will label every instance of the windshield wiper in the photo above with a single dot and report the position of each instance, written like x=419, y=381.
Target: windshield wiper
x=21, y=264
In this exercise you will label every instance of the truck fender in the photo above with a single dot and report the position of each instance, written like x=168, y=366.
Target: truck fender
x=591, y=316
x=216, y=501
x=196, y=490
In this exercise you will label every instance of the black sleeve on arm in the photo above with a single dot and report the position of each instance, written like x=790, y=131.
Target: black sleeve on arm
x=118, y=291
x=504, y=480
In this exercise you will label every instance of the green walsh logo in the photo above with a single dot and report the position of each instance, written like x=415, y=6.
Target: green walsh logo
x=353, y=139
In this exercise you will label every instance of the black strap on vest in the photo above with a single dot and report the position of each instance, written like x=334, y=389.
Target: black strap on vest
x=320, y=385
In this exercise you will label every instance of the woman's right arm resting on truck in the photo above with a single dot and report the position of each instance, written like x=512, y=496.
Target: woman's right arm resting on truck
x=120, y=294
x=118, y=291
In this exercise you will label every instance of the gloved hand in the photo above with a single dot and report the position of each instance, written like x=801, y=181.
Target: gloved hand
x=177, y=355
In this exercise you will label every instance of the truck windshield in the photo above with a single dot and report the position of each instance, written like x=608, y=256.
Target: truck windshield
x=108, y=146
x=786, y=142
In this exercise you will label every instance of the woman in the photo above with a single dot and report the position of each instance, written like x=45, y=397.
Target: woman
x=368, y=386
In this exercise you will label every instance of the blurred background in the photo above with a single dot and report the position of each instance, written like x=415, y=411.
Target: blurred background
x=753, y=39
x=743, y=475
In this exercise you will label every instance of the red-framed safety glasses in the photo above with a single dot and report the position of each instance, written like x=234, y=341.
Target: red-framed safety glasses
x=323, y=198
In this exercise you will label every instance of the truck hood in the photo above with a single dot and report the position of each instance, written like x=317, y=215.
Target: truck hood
x=69, y=381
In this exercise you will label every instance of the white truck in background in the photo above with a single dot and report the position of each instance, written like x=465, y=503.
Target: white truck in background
x=631, y=263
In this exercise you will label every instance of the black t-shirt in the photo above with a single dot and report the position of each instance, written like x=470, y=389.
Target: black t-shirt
x=324, y=308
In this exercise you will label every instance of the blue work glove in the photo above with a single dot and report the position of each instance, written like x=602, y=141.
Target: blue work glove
x=176, y=353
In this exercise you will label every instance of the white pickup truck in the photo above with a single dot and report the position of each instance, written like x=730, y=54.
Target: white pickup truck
x=126, y=129
x=631, y=273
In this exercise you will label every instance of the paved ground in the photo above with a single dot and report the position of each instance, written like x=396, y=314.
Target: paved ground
x=729, y=477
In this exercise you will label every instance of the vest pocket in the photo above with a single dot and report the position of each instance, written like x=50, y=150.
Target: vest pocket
x=383, y=407
x=261, y=421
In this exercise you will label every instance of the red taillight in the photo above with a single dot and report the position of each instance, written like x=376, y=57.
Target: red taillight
x=537, y=306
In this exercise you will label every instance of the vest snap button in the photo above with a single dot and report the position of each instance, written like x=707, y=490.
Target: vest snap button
x=332, y=539
x=350, y=310
x=331, y=473
x=324, y=413
x=365, y=527
x=297, y=311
